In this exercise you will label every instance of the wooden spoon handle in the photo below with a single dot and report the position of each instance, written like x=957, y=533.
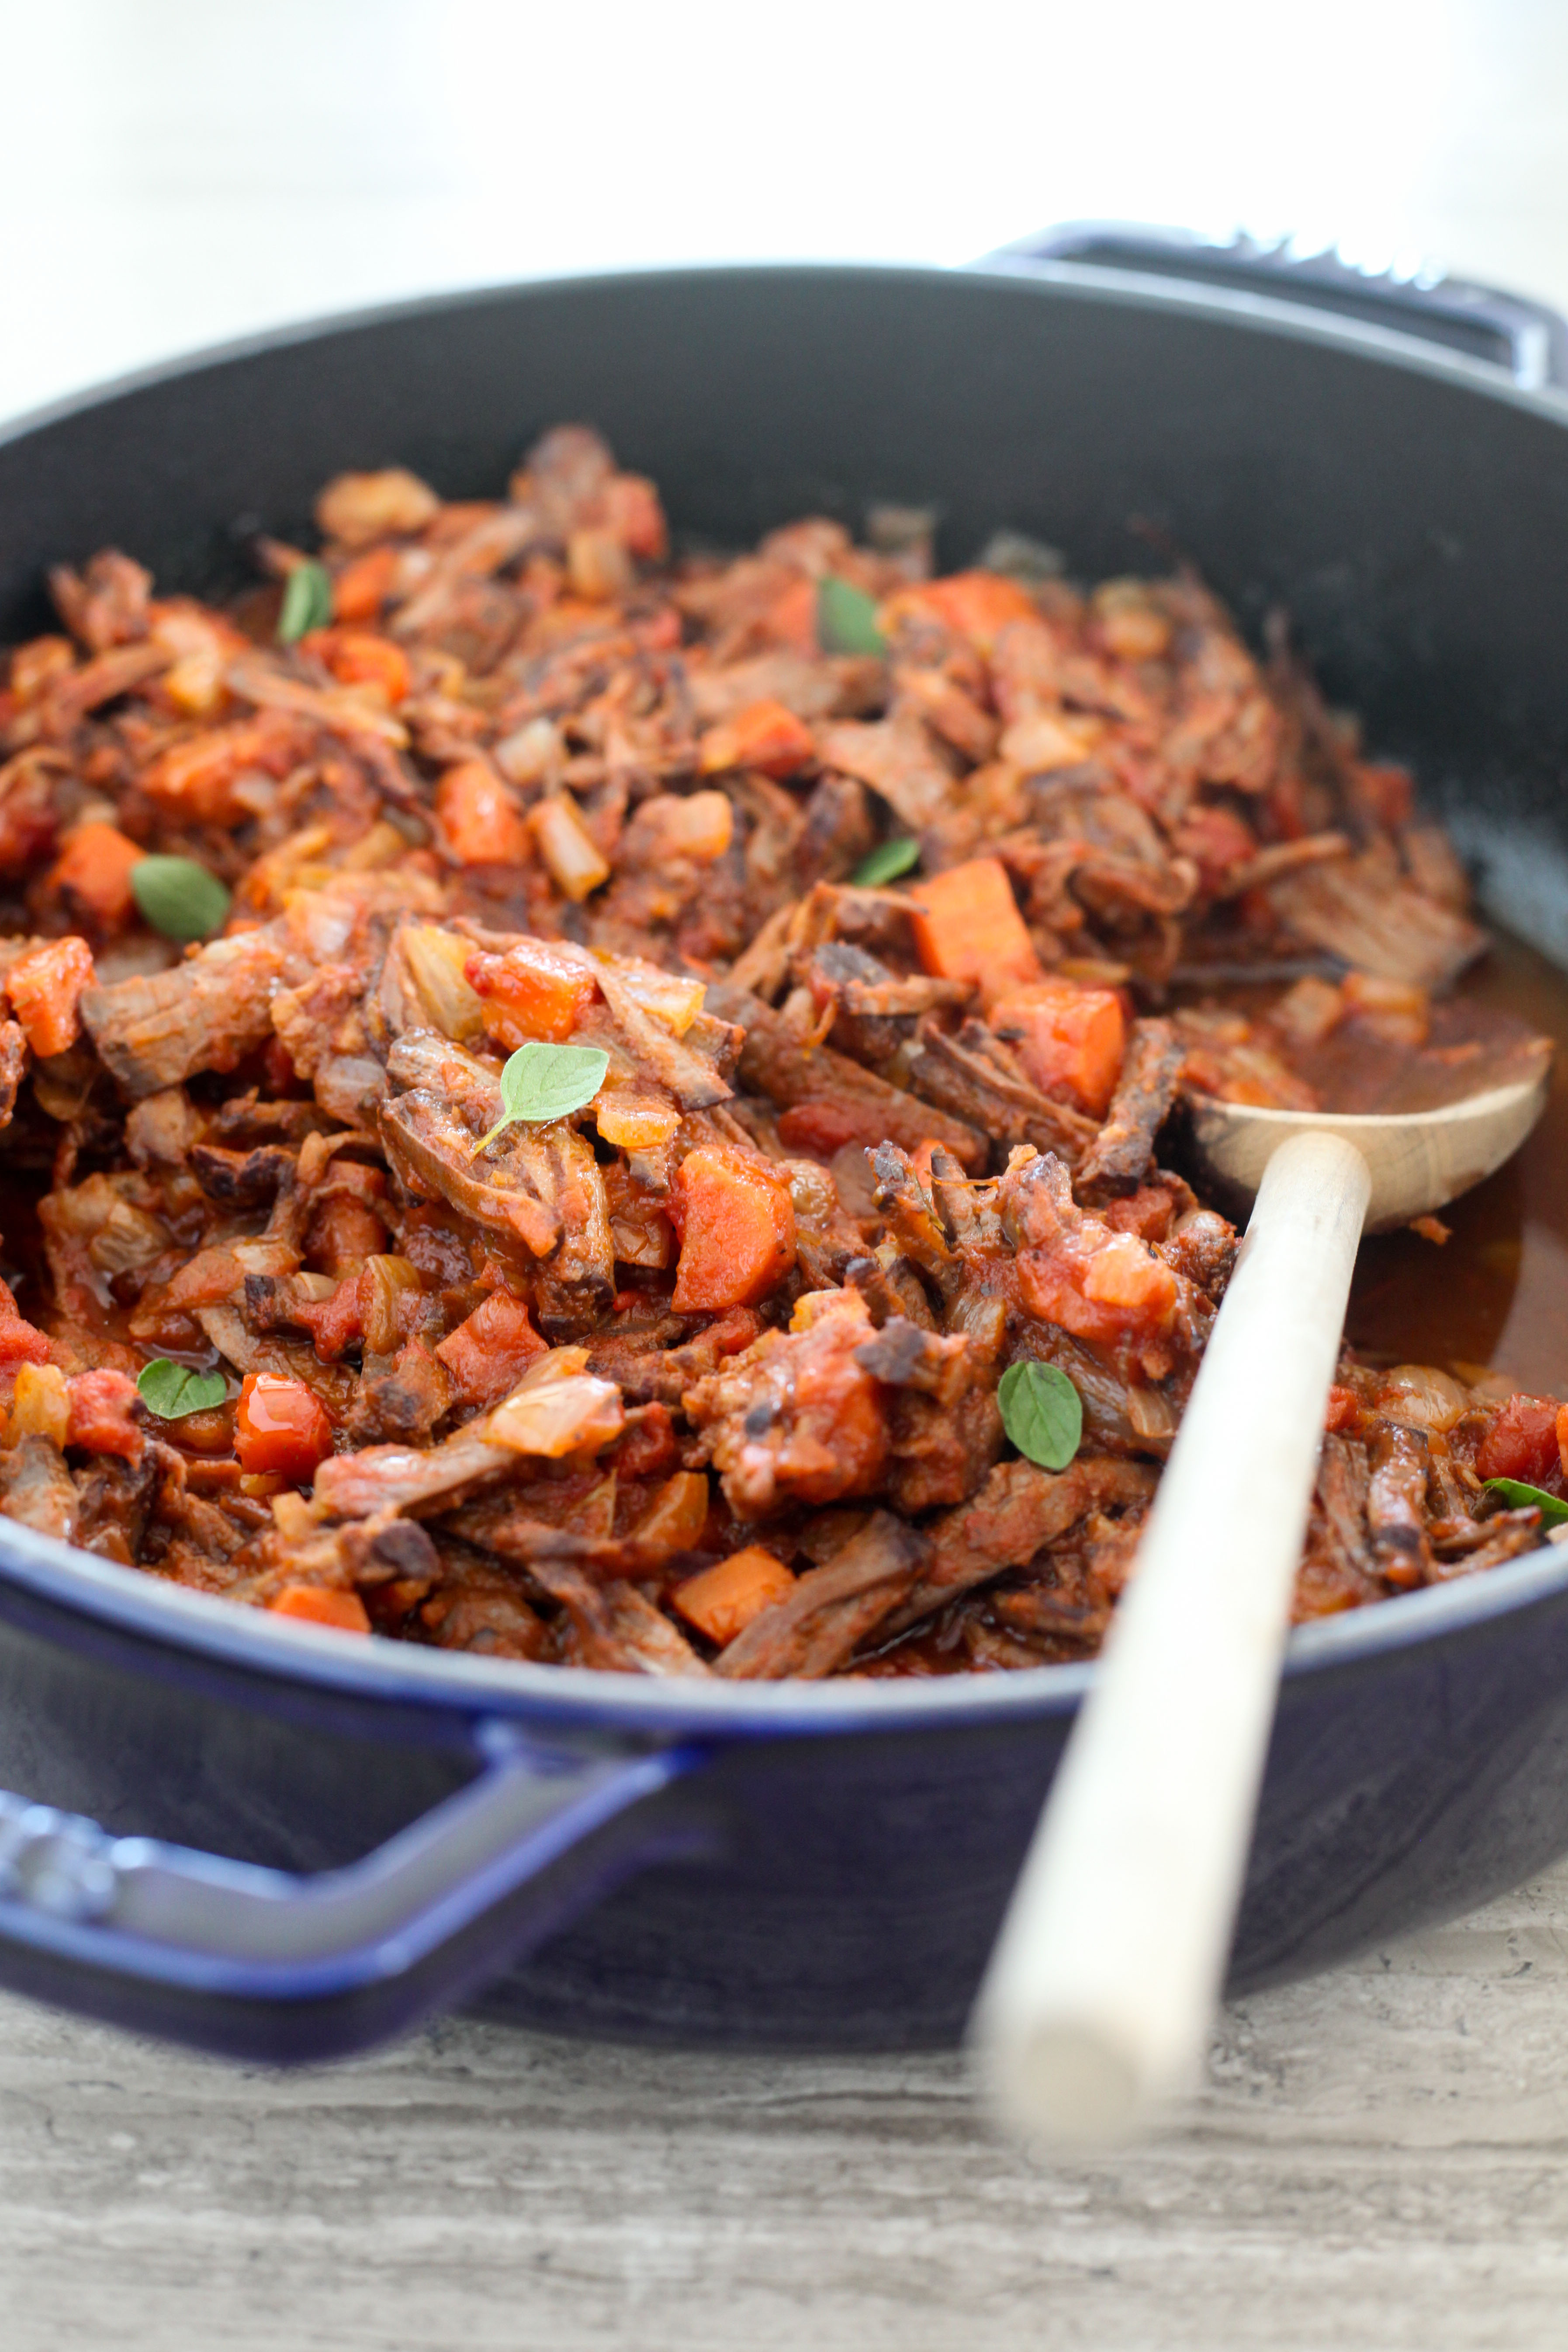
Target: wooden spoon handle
x=1101, y=1990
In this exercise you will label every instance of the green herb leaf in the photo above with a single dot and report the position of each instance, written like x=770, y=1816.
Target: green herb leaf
x=171, y=1391
x=887, y=862
x=178, y=897
x=543, y=1082
x=1041, y=1412
x=306, y=603
x=1519, y=1497
x=847, y=618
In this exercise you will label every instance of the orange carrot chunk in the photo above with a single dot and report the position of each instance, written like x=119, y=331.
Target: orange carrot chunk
x=1069, y=1039
x=322, y=1605
x=736, y=1223
x=361, y=587
x=358, y=658
x=282, y=1426
x=968, y=927
x=724, y=1598
x=480, y=819
x=977, y=605
x=94, y=869
x=531, y=991
x=765, y=735
x=489, y=1354
x=45, y=988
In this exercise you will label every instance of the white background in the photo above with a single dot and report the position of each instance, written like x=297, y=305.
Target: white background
x=176, y=171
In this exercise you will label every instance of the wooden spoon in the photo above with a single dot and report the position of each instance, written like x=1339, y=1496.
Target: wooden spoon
x=1096, y=2010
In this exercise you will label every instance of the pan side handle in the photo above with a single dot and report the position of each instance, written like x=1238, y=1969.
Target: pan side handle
x=259, y=1963
x=1526, y=340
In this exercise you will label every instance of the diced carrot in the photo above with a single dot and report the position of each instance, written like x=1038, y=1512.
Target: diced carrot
x=361, y=587
x=45, y=988
x=633, y=513
x=968, y=927
x=93, y=871
x=791, y=619
x=736, y=1223
x=977, y=605
x=194, y=779
x=489, y=1353
x=358, y=658
x=531, y=992
x=479, y=817
x=1067, y=1036
x=1522, y=1441
x=1563, y=1438
x=322, y=1605
x=280, y=1425
x=675, y=1519
x=724, y=1598
x=763, y=735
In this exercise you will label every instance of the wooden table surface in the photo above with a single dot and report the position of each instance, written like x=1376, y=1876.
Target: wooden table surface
x=1378, y=2163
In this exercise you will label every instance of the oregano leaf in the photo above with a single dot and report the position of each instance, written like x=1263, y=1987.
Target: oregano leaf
x=1042, y=1412
x=179, y=898
x=847, y=618
x=172, y=1390
x=306, y=603
x=887, y=862
x=1519, y=1497
x=544, y=1082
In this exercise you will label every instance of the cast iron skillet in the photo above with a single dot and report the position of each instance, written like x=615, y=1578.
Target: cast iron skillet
x=791, y=1866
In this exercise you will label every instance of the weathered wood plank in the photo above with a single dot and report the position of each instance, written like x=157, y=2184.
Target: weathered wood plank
x=1379, y=2163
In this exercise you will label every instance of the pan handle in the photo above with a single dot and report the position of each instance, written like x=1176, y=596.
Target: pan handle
x=1527, y=340
x=259, y=1963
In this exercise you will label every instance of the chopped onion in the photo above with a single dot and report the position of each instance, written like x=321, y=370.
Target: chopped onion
x=436, y=960
x=558, y=1408
x=1423, y=1397
x=575, y=862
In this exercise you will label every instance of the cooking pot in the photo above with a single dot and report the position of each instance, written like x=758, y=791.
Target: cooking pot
x=281, y=1842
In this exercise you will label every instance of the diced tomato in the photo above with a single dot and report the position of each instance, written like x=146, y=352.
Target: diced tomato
x=532, y=991
x=343, y=1233
x=1069, y=1039
x=724, y=1598
x=825, y=1126
x=361, y=587
x=45, y=988
x=1522, y=1441
x=489, y=1354
x=282, y=1426
x=338, y=1321
x=649, y=1449
x=322, y=1605
x=1147, y=1212
x=479, y=817
x=765, y=735
x=736, y=1223
x=194, y=779
x=93, y=871
x=103, y=1409
x=968, y=927
x=1343, y=1409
